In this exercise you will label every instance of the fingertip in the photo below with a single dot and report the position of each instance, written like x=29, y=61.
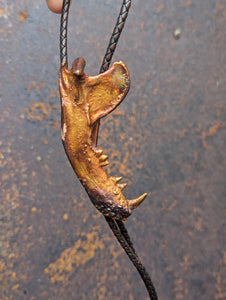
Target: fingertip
x=55, y=5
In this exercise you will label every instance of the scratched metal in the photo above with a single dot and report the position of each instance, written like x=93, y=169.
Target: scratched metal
x=167, y=138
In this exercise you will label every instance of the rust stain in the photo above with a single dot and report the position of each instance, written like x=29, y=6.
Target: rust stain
x=187, y=3
x=2, y=267
x=210, y=132
x=181, y=133
x=179, y=289
x=83, y=251
x=38, y=111
x=23, y=15
x=35, y=86
x=219, y=6
x=199, y=224
x=55, y=124
x=169, y=205
x=160, y=8
x=220, y=283
x=220, y=109
x=65, y=217
x=195, y=157
x=185, y=263
x=15, y=287
x=45, y=141
x=141, y=26
x=53, y=93
x=220, y=279
x=2, y=12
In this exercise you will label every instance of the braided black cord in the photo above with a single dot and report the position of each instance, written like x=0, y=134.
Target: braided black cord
x=63, y=32
x=133, y=257
x=125, y=233
x=118, y=228
x=115, y=35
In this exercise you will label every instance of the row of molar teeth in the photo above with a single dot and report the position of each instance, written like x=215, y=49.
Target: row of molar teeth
x=103, y=159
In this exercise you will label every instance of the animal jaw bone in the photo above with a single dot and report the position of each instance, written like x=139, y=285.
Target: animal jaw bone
x=84, y=101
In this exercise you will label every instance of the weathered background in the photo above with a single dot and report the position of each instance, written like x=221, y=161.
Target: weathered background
x=167, y=138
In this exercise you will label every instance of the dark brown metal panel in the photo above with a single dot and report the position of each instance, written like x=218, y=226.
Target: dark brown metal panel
x=167, y=138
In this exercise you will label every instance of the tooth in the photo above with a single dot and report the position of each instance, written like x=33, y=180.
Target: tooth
x=136, y=202
x=104, y=163
x=122, y=185
x=103, y=158
x=117, y=179
x=99, y=152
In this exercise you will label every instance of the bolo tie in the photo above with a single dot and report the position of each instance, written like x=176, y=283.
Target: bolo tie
x=84, y=101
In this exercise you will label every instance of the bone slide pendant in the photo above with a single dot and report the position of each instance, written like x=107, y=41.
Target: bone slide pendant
x=84, y=101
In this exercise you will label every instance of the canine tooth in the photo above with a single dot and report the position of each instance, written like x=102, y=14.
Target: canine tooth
x=122, y=185
x=136, y=202
x=103, y=158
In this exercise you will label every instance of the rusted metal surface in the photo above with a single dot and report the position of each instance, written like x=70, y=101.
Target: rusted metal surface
x=167, y=138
